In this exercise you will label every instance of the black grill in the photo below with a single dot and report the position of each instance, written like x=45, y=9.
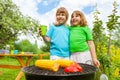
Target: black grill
x=35, y=73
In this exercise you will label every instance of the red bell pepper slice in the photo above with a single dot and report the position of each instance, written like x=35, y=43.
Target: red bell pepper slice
x=78, y=66
x=73, y=68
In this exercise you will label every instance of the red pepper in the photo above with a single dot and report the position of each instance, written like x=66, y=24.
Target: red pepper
x=78, y=66
x=69, y=69
x=73, y=68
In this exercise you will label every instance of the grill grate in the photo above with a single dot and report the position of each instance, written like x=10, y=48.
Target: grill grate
x=87, y=69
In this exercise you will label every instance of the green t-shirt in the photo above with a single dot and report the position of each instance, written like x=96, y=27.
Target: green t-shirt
x=79, y=37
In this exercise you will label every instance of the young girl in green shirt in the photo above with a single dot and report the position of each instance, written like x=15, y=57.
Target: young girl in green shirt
x=81, y=42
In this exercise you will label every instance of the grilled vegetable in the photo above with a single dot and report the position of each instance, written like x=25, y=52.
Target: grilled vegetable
x=64, y=62
x=78, y=66
x=47, y=64
x=73, y=68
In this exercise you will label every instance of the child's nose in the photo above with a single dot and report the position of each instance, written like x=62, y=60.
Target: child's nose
x=60, y=16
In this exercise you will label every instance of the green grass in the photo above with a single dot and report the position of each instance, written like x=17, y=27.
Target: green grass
x=10, y=74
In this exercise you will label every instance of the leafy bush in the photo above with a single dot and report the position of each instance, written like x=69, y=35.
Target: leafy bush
x=26, y=46
x=46, y=48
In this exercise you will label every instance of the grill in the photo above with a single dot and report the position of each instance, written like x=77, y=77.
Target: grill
x=35, y=73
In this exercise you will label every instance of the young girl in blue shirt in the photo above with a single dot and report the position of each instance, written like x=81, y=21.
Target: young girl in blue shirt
x=58, y=36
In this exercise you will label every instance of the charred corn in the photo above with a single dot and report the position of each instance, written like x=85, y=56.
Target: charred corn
x=64, y=62
x=47, y=64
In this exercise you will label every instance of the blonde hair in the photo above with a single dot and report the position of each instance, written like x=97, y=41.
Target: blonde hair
x=63, y=10
x=83, y=21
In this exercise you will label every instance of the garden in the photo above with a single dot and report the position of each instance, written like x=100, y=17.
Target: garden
x=13, y=24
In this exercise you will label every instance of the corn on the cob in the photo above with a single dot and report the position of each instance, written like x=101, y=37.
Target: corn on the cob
x=64, y=62
x=47, y=64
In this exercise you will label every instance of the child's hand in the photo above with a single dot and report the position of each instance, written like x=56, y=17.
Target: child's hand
x=40, y=32
x=96, y=62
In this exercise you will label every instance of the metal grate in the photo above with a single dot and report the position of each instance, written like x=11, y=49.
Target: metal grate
x=87, y=69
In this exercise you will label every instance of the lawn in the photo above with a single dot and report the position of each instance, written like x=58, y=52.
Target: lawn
x=10, y=74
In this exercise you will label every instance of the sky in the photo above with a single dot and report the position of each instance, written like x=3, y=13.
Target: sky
x=44, y=10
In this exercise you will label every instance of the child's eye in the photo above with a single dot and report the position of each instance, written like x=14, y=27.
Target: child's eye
x=73, y=16
x=63, y=14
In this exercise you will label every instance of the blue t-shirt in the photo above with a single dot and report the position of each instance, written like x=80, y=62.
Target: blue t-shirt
x=59, y=44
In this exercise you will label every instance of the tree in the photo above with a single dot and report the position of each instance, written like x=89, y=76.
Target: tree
x=112, y=24
x=99, y=39
x=13, y=23
x=46, y=48
x=27, y=46
x=117, y=36
x=98, y=29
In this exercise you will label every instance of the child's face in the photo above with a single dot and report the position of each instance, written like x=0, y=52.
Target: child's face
x=61, y=18
x=75, y=19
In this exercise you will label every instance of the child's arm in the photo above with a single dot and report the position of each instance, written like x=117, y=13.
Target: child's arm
x=46, y=39
x=93, y=53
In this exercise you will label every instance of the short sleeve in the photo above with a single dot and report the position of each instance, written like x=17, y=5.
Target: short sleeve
x=49, y=32
x=88, y=33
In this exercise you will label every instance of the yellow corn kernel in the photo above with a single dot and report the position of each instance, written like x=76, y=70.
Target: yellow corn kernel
x=47, y=64
x=64, y=62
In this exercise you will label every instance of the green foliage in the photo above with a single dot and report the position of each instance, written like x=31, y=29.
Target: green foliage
x=107, y=54
x=98, y=31
x=104, y=59
x=97, y=27
x=26, y=46
x=117, y=35
x=112, y=23
x=46, y=48
x=13, y=23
